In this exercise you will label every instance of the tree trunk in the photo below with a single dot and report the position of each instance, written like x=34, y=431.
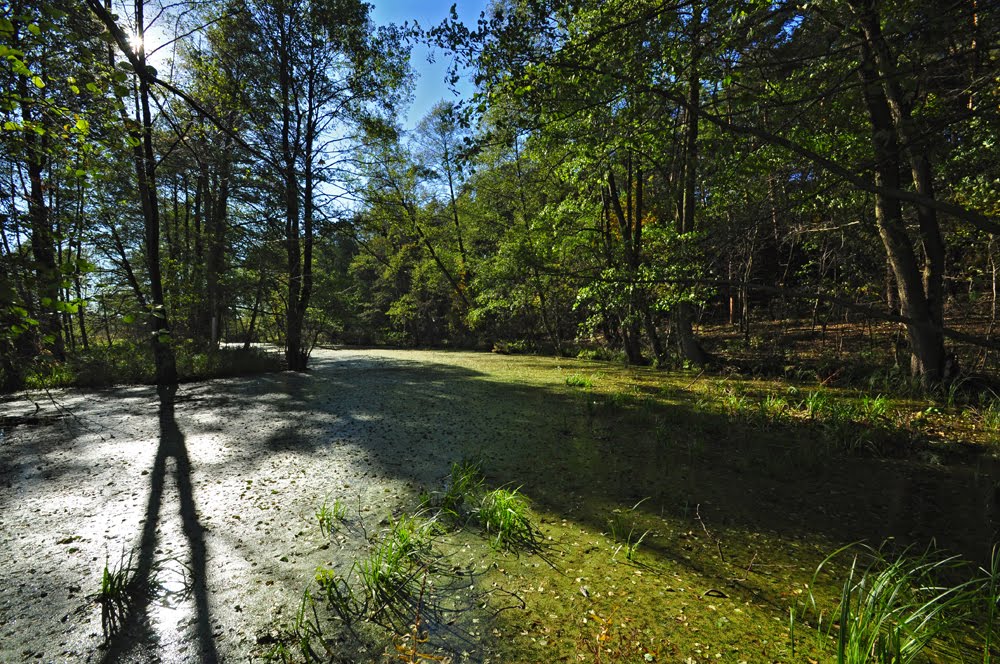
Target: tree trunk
x=689, y=346
x=77, y=281
x=216, y=226
x=47, y=277
x=924, y=332
x=920, y=166
x=145, y=164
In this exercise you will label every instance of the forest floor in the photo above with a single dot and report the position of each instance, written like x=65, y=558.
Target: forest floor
x=679, y=517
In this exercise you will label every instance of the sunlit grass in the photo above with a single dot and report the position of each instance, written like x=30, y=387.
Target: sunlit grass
x=503, y=514
x=894, y=609
x=329, y=515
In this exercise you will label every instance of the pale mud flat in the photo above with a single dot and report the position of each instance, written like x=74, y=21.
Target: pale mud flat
x=95, y=476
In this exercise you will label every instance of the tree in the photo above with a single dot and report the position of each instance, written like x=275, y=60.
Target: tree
x=320, y=72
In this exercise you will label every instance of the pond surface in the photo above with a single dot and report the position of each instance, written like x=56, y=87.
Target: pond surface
x=212, y=492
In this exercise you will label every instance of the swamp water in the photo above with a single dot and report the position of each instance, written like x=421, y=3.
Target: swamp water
x=668, y=529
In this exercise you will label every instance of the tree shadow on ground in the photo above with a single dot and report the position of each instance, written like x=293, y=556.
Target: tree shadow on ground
x=135, y=632
x=580, y=454
x=731, y=495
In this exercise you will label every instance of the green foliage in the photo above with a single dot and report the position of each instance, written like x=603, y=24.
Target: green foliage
x=816, y=403
x=464, y=488
x=338, y=593
x=390, y=574
x=503, y=514
x=625, y=531
x=303, y=640
x=576, y=380
x=989, y=415
x=329, y=515
x=894, y=608
x=121, y=586
x=129, y=363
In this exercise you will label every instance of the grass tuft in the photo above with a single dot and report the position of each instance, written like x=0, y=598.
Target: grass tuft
x=389, y=573
x=121, y=586
x=576, y=380
x=892, y=608
x=329, y=515
x=625, y=533
x=464, y=487
x=504, y=515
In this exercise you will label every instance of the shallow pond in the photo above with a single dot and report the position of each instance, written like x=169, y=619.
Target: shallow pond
x=212, y=493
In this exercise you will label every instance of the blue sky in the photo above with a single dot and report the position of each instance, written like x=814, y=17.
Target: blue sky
x=430, y=85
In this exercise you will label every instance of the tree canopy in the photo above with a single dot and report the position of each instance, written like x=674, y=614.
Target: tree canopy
x=627, y=175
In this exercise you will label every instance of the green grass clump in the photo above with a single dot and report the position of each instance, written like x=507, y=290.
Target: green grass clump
x=504, y=515
x=390, y=573
x=576, y=380
x=121, y=586
x=625, y=532
x=873, y=410
x=989, y=415
x=329, y=515
x=464, y=487
x=815, y=403
x=892, y=609
x=338, y=594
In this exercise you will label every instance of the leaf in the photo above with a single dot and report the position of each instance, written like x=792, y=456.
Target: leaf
x=34, y=29
x=37, y=80
x=18, y=66
x=82, y=125
x=67, y=307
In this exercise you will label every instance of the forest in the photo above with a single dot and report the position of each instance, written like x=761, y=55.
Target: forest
x=668, y=334
x=665, y=183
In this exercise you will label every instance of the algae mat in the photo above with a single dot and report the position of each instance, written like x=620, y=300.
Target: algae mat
x=212, y=492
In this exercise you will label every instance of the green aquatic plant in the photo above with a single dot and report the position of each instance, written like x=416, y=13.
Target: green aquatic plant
x=464, y=487
x=339, y=596
x=114, y=595
x=989, y=415
x=990, y=604
x=503, y=514
x=389, y=573
x=892, y=608
x=873, y=410
x=122, y=584
x=328, y=515
x=815, y=403
x=625, y=532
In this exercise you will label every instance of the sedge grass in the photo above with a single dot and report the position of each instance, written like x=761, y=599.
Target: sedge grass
x=465, y=485
x=328, y=515
x=892, y=608
x=503, y=514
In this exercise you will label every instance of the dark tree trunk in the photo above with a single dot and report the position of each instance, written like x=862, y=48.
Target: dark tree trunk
x=43, y=255
x=924, y=331
x=295, y=354
x=145, y=165
x=688, y=344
